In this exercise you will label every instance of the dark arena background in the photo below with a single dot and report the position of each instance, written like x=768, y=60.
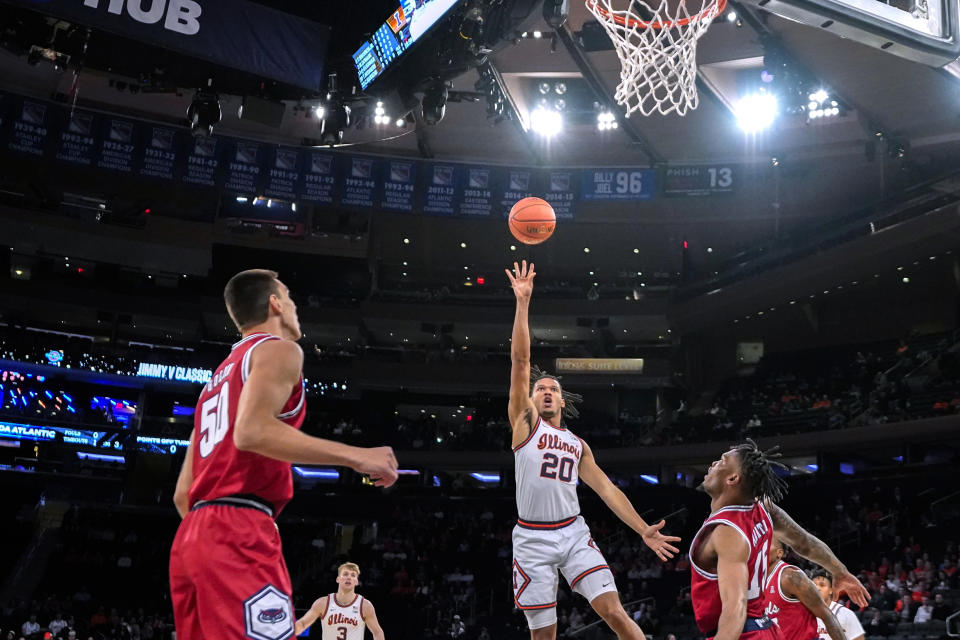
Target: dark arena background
x=780, y=263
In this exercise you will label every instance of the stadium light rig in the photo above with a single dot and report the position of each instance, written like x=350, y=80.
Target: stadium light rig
x=546, y=122
x=756, y=111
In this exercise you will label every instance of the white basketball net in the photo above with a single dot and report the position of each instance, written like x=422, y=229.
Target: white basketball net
x=656, y=41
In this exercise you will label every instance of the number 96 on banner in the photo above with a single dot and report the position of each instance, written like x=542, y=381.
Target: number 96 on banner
x=619, y=184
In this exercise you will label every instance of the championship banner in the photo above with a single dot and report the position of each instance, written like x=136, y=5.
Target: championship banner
x=441, y=190
x=29, y=127
x=519, y=184
x=399, y=185
x=234, y=33
x=76, y=143
x=318, y=180
x=477, y=188
x=600, y=365
x=117, y=146
x=283, y=173
x=245, y=168
x=160, y=152
x=561, y=192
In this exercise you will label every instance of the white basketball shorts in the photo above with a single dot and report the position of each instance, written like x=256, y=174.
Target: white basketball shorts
x=542, y=548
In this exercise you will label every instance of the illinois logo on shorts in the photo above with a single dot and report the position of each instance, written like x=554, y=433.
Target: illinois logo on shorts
x=268, y=615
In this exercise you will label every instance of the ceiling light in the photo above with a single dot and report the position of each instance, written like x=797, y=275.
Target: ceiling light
x=546, y=122
x=731, y=16
x=513, y=247
x=537, y=34
x=756, y=112
x=586, y=249
x=463, y=245
x=406, y=241
x=636, y=251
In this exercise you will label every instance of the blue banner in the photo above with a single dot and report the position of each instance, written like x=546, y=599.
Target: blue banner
x=160, y=152
x=76, y=143
x=117, y=146
x=319, y=180
x=619, y=184
x=359, y=182
x=283, y=174
x=29, y=127
x=245, y=168
x=399, y=184
x=561, y=192
x=477, y=191
x=518, y=184
x=441, y=190
x=203, y=161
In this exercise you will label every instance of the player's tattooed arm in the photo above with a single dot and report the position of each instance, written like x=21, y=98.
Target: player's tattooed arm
x=797, y=585
x=369, y=615
x=812, y=548
x=521, y=411
x=317, y=610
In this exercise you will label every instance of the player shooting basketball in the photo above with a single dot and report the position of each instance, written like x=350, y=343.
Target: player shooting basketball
x=550, y=534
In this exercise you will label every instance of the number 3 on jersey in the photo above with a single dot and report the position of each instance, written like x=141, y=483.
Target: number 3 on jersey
x=214, y=420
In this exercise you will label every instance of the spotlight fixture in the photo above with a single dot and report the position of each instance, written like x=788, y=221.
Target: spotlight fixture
x=336, y=118
x=204, y=113
x=756, y=111
x=434, y=102
x=560, y=88
x=606, y=120
x=546, y=122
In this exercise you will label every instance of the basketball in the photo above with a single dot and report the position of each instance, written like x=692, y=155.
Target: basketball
x=532, y=220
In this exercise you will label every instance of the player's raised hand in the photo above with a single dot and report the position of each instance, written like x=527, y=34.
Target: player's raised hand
x=849, y=584
x=659, y=542
x=380, y=464
x=521, y=279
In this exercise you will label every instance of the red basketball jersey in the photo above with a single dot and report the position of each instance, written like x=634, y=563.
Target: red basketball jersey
x=754, y=524
x=794, y=619
x=219, y=468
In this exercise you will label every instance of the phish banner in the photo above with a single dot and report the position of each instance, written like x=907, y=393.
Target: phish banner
x=233, y=33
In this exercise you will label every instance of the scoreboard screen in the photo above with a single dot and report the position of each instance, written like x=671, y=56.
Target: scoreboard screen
x=411, y=20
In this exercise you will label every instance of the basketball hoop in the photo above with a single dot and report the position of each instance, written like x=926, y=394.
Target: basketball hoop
x=656, y=41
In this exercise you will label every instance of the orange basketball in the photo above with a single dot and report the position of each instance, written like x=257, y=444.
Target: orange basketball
x=532, y=220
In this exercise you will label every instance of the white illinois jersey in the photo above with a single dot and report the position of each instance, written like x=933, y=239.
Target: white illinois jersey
x=852, y=629
x=546, y=465
x=343, y=621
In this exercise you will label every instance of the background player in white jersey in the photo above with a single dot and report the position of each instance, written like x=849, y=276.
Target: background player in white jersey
x=852, y=629
x=550, y=534
x=345, y=614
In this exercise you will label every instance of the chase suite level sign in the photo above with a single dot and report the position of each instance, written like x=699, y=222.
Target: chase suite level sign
x=289, y=49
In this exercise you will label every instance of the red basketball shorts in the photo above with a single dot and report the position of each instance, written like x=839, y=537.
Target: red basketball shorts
x=228, y=578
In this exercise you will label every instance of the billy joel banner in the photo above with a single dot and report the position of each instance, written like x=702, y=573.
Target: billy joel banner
x=233, y=33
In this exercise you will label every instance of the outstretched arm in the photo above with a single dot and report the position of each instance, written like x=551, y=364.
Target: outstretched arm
x=733, y=553
x=369, y=615
x=318, y=608
x=615, y=499
x=522, y=414
x=816, y=551
x=795, y=584
x=275, y=368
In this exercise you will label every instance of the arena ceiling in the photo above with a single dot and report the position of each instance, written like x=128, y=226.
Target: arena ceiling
x=911, y=104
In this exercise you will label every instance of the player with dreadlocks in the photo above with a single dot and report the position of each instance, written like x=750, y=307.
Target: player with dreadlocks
x=550, y=534
x=728, y=564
